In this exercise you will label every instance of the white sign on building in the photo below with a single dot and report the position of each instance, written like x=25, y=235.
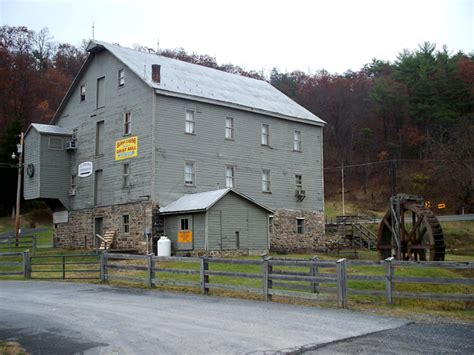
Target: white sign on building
x=84, y=169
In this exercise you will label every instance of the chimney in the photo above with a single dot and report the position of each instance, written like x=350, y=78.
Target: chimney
x=156, y=73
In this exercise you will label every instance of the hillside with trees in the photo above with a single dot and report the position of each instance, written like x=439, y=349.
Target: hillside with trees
x=402, y=126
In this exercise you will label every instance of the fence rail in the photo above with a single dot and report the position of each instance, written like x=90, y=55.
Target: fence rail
x=307, y=279
x=24, y=242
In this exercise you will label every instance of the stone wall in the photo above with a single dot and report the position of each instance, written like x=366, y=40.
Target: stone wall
x=285, y=238
x=78, y=233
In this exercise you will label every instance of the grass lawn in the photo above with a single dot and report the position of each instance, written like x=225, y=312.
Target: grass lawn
x=11, y=348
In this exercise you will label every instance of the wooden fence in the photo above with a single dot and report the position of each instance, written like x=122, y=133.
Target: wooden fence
x=310, y=279
x=25, y=242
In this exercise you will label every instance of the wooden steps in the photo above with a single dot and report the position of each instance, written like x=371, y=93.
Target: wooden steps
x=109, y=237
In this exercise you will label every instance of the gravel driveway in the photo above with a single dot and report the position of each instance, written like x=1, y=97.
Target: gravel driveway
x=64, y=318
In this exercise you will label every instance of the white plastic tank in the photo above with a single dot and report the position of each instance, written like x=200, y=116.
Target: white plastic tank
x=163, y=246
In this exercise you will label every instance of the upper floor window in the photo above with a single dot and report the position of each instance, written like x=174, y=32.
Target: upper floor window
x=127, y=123
x=189, y=174
x=101, y=92
x=266, y=181
x=82, y=92
x=121, y=77
x=189, y=127
x=297, y=141
x=229, y=128
x=99, y=138
x=126, y=175
x=265, y=134
x=230, y=177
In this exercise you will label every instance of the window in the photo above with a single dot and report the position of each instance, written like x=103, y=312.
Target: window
x=230, y=177
x=125, y=224
x=297, y=141
x=55, y=143
x=265, y=134
x=82, y=92
x=99, y=138
x=127, y=123
x=100, y=92
x=299, y=182
x=189, y=173
x=189, y=128
x=300, y=225
x=184, y=224
x=229, y=128
x=270, y=224
x=126, y=175
x=98, y=187
x=121, y=77
x=266, y=180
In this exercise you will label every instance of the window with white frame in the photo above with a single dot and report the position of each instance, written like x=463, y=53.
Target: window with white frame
x=189, y=174
x=230, y=177
x=266, y=181
x=127, y=123
x=73, y=182
x=189, y=126
x=121, y=77
x=299, y=182
x=184, y=224
x=125, y=224
x=297, y=141
x=126, y=175
x=82, y=92
x=300, y=225
x=265, y=134
x=229, y=128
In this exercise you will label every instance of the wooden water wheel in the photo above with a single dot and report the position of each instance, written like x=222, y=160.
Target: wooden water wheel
x=410, y=231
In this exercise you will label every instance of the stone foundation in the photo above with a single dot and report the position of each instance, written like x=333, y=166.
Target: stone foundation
x=79, y=232
x=285, y=238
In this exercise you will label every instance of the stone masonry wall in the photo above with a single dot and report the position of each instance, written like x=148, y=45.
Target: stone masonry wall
x=79, y=232
x=285, y=238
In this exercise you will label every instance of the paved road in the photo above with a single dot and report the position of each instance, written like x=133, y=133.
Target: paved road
x=53, y=318
x=419, y=338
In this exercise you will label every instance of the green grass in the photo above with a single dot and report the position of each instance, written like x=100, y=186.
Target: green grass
x=11, y=348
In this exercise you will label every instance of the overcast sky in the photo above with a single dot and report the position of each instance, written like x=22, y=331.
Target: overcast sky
x=335, y=35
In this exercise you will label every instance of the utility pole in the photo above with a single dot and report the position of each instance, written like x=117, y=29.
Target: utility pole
x=342, y=186
x=18, y=188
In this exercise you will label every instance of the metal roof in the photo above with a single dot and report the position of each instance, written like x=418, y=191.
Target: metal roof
x=201, y=83
x=202, y=201
x=50, y=129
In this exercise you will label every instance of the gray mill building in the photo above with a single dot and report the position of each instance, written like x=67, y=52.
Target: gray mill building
x=144, y=144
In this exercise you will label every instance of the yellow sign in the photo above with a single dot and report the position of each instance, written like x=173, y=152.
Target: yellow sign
x=441, y=206
x=126, y=148
x=427, y=204
x=185, y=237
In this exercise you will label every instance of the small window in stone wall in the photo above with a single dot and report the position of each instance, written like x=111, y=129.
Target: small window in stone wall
x=55, y=143
x=125, y=224
x=300, y=225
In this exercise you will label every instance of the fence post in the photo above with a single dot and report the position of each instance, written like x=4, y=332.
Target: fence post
x=389, y=280
x=26, y=265
x=204, y=266
x=313, y=271
x=103, y=267
x=151, y=271
x=267, y=283
x=34, y=243
x=341, y=281
x=63, y=258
